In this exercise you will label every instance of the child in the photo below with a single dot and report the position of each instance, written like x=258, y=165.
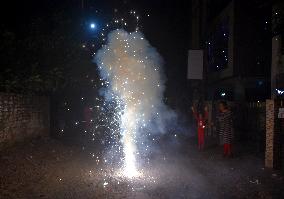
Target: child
x=226, y=130
x=200, y=126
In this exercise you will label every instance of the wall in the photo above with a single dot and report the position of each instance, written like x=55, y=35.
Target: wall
x=274, y=134
x=277, y=62
x=22, y=117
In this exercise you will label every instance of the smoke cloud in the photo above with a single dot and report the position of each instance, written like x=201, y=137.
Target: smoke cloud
x=132, y=70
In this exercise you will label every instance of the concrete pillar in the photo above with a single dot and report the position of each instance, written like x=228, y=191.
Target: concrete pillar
x=273, y=145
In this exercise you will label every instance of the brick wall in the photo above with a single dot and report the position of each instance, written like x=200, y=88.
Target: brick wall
x=273, y=134
x=270, y=116
x=22, y=117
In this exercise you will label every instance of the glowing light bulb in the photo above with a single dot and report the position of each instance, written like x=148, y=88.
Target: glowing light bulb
x=92, y=25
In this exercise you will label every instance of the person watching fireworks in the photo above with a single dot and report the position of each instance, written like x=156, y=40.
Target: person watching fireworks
x=201, y=120
x=225, y=128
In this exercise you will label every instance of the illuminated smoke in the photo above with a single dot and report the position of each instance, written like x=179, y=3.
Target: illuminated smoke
x=131, y=68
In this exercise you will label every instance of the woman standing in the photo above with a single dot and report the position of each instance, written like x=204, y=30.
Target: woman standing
x=226, y=128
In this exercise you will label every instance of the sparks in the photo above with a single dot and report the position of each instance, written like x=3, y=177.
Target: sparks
x=134, y=105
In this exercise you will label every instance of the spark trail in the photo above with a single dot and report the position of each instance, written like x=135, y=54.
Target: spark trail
x=132, y=68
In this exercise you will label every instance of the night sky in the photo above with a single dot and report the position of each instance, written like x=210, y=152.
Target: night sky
x=167, y=27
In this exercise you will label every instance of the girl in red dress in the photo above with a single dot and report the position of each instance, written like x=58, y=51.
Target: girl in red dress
x=201, y=120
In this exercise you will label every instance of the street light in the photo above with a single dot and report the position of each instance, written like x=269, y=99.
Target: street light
x=93, y=26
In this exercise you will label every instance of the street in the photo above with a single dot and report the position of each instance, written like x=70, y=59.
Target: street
x=51, y=169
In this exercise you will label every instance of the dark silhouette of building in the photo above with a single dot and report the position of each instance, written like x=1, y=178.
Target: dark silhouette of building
x=235, y=37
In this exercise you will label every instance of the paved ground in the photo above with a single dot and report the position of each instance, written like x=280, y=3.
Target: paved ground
x=51, y=169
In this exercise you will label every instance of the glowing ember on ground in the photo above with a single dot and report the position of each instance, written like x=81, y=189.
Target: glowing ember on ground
x=129, y=174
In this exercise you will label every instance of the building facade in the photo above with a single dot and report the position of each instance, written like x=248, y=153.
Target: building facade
x=237, y=53
x=277, y=63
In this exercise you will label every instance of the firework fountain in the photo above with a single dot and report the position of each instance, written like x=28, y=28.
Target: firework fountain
x=132, y=69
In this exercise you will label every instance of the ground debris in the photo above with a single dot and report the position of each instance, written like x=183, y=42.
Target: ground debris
x=46, y=170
